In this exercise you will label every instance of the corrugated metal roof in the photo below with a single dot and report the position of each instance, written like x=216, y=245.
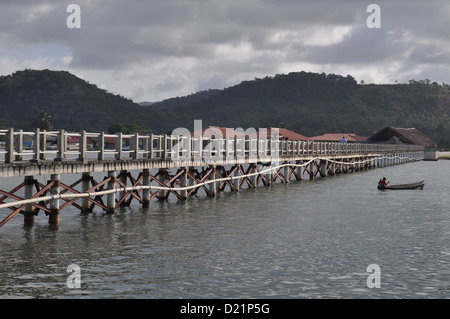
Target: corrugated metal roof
x=336, y=137
x=73, y=139
x=290, y=135
x=405, y=135
x=218, y=132
x=224, y=132
x=76, y=139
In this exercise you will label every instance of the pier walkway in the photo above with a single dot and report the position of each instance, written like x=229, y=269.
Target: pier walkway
x=164, y=165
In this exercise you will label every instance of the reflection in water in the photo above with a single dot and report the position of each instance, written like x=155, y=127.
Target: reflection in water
x=299, y=240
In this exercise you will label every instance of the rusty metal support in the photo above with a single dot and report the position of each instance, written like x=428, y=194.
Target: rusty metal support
x=55, y=196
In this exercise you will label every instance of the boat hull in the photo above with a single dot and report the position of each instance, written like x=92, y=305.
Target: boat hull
x=418, y=185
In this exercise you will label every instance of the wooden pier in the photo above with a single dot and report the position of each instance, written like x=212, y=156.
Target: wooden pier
x=163, y=166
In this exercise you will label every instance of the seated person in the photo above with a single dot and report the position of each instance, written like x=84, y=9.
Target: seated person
x=383, y=182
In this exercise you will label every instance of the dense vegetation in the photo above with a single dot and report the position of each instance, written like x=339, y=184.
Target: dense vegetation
x=308, y=103
x=312, y=104
x=175, y=102
x=71, y=103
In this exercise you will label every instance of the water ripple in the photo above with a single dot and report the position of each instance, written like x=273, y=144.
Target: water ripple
x=299, y=240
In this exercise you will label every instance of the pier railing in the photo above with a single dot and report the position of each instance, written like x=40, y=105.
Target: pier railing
x=82, y=146
x=165, y=165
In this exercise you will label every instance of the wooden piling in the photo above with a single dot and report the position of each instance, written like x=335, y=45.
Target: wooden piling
x=163, y=178
x=269, y=174
x=53, y=217
x=286, y=172
x=312, y=170
x=212, y=177
x=252, y=179
x=123, y=177
x=300, y=170
x=28, y=211
x=237, y=181
x=323, y=170
x=86, y=178
x=146, y=192
x=184, y=183
x=111, y=197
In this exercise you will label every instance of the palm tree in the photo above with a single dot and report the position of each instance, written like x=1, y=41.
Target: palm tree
x=42, y=121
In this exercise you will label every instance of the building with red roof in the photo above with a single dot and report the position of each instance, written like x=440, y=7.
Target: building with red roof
x=223, y=132
x=336, y=137
x=283, y=134
x=219, y=132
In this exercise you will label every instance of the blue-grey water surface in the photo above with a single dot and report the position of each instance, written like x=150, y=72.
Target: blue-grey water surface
x=308, y=239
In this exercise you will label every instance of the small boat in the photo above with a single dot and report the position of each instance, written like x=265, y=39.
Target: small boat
x=418, y=185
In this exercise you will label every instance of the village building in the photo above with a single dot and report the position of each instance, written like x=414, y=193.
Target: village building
x=223, y=132
x=218, y=132
x=284, y=134
x=336, y=137
x=73, y=142
x=395, y=135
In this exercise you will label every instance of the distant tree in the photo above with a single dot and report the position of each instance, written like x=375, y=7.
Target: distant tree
x=283, y=125
x=444, y=143
x=4, y=124
x=127, y=128
x=115, y=128
x=42, y=121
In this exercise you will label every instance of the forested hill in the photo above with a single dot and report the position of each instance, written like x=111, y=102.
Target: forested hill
x=71, y=103
x=308, y=103
x=311, y=104
x=175, y=102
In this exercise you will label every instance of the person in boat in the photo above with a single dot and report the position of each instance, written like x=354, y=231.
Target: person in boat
x=383, y=183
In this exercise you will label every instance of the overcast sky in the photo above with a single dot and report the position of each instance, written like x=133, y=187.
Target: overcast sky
x=149, y=50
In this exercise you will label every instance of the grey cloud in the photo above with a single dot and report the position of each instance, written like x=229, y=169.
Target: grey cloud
x=430, y=54
x=117, y=35
x=363, y=47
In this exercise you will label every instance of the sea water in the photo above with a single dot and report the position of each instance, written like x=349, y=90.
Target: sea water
x=307, y=239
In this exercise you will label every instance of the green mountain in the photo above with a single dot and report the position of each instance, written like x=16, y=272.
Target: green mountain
x=175, y=102
x=299, y=101
x=311, y=104
x=308, y=103
x=72, y=103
